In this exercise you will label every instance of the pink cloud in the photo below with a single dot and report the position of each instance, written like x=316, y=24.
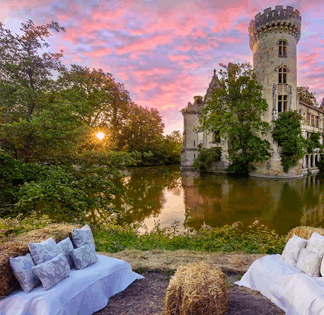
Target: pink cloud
x=99, y=52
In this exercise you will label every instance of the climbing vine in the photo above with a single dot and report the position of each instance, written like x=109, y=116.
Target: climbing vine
x=313, y=142
x=287, y=133
x=206, y=157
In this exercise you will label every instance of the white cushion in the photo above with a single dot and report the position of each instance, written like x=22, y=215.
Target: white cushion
x=286, y=286
x=67, y=248
x=292, y=250
x=22, y=269
x=309, y=262
x=82, y=237
x=82, y=293
x=316, y=243
x=52, y=271
x=84, y=256
x=44, y=251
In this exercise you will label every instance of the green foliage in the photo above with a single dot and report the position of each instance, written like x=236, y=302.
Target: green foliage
x=71, y=192
x=14, y=226
x=112, y=237
x=206, y=157
x=234, y=110
x=287, y=132
x=307, y=96
x=313, y=142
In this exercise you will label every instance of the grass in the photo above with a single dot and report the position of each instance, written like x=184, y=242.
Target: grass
x=114, y=238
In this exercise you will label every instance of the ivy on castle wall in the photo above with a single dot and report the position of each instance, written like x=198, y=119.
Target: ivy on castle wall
x=287, y=133
x=206, y=157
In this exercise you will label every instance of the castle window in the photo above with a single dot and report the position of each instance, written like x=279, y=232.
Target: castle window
x=216, y=138
x=282, y=103
x=194, y=143
x=312, y=120
x=308, y=118
x=282, y=75
x=317, y=121
x=282, y=48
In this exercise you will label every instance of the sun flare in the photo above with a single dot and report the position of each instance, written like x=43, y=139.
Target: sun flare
x=100, y=135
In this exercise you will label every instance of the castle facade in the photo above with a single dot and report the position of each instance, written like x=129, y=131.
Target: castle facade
x=273, y=39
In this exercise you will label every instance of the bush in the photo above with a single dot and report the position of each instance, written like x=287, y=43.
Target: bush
x=206, y=157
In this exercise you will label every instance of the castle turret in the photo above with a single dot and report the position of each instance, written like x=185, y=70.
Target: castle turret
x=273, y=39
x=190, y=140
x=274, y=35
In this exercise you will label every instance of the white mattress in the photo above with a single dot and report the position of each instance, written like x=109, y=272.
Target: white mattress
x=286, y=286
x=82, y=293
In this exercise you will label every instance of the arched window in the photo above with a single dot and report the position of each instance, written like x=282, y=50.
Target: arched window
x=282, y=75
x=282, y=48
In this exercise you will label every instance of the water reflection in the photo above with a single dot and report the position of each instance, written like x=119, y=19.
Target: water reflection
x=164, y=194
x=278, y=204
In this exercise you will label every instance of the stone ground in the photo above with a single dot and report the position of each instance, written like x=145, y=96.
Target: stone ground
x=146, y=297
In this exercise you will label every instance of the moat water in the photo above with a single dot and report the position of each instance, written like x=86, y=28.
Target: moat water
x=164, y=194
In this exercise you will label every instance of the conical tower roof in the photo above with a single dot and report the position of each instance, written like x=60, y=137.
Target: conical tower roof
x=214, y=84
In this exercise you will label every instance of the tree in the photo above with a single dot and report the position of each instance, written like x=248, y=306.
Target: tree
x=307, y=96
x=142, y=130
x=32, y=128
x=100, y=101
x=235, y=109
x=287, y=132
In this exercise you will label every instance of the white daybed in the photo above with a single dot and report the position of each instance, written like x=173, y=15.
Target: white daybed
x=83, y=292
x=289, y=288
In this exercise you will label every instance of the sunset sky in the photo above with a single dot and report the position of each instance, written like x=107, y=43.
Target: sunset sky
x=165, y=51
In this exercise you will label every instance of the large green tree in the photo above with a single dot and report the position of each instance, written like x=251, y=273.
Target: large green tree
x=235, y=109
x=32, y=127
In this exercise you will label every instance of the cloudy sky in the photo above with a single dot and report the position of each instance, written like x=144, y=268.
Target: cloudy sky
x=165, y=51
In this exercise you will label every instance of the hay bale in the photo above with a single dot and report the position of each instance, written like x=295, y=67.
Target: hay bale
x=18, y=246
x=198, y=288
x=304, y=232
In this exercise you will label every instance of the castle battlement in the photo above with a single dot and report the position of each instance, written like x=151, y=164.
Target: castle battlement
x=279, y=19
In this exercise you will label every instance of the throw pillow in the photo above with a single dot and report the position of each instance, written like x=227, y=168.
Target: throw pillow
x=316, y=243
x=44, y=251
x=309, y=262
x=67, y=248
x=22, y=269
x=82, y=237
x=84, y=256
x=52, y=271
x=292, y=250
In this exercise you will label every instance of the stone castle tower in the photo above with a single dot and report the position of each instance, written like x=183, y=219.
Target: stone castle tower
x=273, y=38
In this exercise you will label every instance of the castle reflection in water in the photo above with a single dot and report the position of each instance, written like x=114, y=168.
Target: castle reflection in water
x=278, y=204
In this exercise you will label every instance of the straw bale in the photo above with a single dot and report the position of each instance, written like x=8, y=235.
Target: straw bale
x=198, y=288
x=304, y=232
x=18, y=246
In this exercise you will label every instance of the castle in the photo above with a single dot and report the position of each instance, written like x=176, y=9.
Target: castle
x=273, y=39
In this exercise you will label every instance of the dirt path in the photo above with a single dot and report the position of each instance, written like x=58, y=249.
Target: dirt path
x=145, y=297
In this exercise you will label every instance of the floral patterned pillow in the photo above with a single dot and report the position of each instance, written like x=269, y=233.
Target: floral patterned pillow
x=44, y=251
x=309, y=262
x=52, y=271
x=22, y=269
x=316, y=243
x=292, y=250
x=84, y=256
x=82, y=237
x=67, y=248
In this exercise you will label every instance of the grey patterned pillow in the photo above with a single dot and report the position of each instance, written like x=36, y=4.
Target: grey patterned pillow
x=52, y=271
x=316, y=243
x=22, y=269
x=44, y=251
x=67, y=248
x=309, y=262
x=84, y=256
x=292, y=250
x=82, y=237
x=87, y=227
